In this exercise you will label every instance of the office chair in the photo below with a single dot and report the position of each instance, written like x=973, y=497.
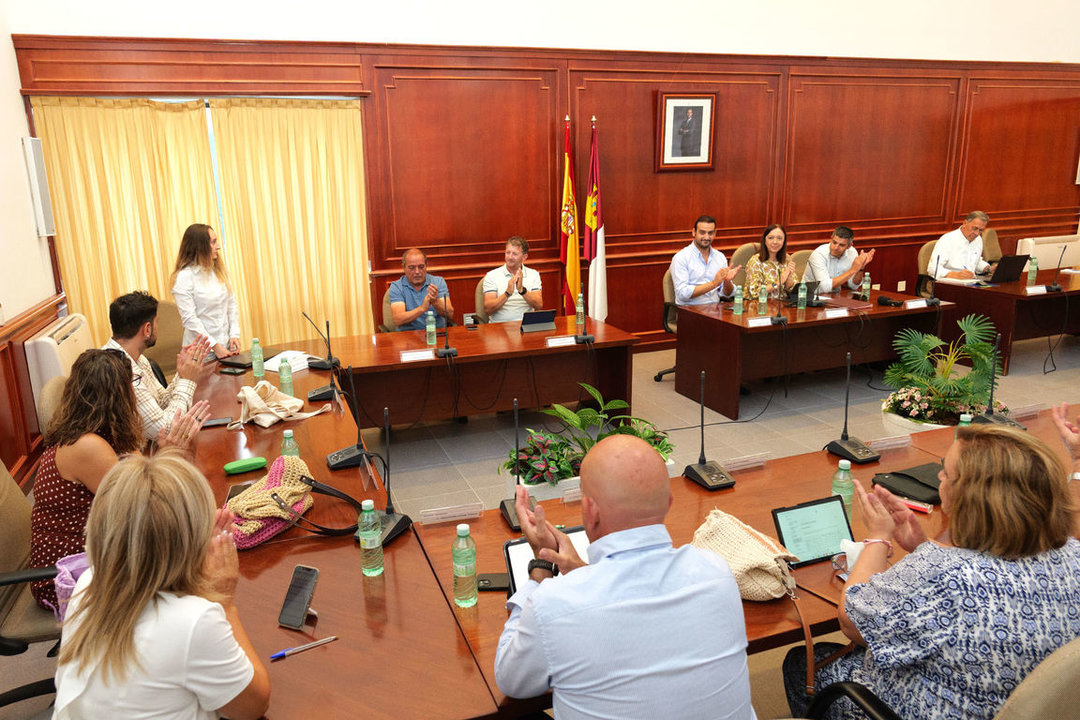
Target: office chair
x=22, y=622
x=741, y=256
x=481, y=314
x=170, y=338
x=925, y=279
x=670, y=318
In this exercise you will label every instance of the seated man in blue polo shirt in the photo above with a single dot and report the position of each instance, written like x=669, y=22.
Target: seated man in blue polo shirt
x=416, y=292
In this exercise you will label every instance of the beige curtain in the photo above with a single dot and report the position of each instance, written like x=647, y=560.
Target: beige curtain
x=126, y=177
x=292, y=176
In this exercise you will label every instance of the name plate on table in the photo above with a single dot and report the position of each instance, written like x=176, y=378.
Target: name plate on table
x=1035, y=290
x=414, y=355
x=914, y=304
x=833, y=313
x=759, y=321
x=560, y=341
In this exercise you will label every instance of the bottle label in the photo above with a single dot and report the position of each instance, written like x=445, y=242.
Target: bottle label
x=464, y=569
x=369, y=542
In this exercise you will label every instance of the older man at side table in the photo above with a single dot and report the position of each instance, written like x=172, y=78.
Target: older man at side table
x=643, y=630
x=958, y=253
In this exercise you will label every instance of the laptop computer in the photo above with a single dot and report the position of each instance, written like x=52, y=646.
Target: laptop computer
x=1009, y=268
x=812, y=531
x=240, y=360
x=538, y=321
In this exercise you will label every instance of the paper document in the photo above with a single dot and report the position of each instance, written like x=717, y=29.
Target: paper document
x=297, y=360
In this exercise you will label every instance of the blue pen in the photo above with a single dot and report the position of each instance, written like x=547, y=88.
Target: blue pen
x=301, y=648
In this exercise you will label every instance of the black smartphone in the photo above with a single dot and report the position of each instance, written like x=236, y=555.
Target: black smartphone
x=216, y=422
x=236, y=489
x=298, y=597
x=232, y=371
x=493, y=581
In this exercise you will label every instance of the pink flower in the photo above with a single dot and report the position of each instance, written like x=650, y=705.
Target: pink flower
x=914, y=412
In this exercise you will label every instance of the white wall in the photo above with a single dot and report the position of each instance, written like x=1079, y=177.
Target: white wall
x=25, y=269
x=993, y=30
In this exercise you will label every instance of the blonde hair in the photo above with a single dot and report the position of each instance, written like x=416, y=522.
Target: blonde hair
x=1010, y=496
x=148, y=532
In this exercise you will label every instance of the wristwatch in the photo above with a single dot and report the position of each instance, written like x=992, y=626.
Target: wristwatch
x=508, y=293
x=538, y=564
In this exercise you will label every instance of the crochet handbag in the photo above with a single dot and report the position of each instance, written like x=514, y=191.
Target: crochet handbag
x=758, y=562
x=278, y=501
x=265, y=405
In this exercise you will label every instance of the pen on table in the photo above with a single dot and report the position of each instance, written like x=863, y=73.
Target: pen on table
x=301, y=648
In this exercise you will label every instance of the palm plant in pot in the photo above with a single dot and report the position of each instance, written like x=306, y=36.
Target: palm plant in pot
x=552, y=457
x=927, y=385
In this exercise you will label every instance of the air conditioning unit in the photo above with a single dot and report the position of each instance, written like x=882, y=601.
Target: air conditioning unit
x=53, y=351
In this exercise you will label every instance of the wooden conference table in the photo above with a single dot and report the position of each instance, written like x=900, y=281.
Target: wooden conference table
x=495, y=363
x=731, y=349
x=781, y=482
x=400, y=652
x=1017, y=315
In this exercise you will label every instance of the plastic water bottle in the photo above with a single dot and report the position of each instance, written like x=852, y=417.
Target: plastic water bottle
x=285, y=377
x=965, y=420
x=866, y=286
x=370, y=533
x=762, y=300
x=289, y=446
x=843, y=484
x=464, y=554
x=429, y=324
x=257, y=367
x=1033, y=269
x=802, y=296
x=579, y=316
x=738, y=300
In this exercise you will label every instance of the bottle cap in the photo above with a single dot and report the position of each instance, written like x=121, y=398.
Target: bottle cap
x=367, y=505
x=287, y=433
x=965, y=418
x=844, y=464
x=463, y=530
x=254, y=339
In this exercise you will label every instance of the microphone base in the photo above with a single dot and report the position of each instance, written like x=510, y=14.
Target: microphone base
x=1053, y=287
x=779, y=320
x=813, y=302
x=854, y=450
x=446, y=352
x=996, y=419
x=350, y=457
x=393, y=524
x=584, y=339
x=326, y=392
x=508, y=510
x=323, y=363
x=933, y=302
x=710, y=475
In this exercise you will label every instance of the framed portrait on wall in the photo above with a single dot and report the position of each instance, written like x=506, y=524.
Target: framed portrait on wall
x=684, y=131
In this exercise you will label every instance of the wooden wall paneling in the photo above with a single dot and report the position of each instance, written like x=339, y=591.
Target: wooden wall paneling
x=469, y=158
x=1020, y=153
x=129, y=66
x=869, y=150
x=20, y=435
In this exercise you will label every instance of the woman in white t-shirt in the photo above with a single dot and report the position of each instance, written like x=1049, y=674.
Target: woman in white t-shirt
x=152, y=629
x=202, y=292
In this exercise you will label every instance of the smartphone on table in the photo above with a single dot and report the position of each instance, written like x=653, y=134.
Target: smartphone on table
x=298, y=597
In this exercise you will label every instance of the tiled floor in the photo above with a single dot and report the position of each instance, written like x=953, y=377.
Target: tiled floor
x=445, y=464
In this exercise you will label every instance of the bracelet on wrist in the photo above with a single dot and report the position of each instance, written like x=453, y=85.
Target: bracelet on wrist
x=880, y=541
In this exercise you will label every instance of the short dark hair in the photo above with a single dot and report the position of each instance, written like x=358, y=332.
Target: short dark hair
x=844, y=233
x=130, y=312
x=704, y=219
x=519, y=242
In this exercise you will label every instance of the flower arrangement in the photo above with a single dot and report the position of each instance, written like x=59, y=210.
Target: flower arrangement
x=927, y=384
x=551, y=457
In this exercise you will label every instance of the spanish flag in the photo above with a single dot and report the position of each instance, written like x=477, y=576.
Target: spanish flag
x=570, y=253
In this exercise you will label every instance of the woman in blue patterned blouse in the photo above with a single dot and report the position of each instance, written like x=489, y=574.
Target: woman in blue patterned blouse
x=950, y=630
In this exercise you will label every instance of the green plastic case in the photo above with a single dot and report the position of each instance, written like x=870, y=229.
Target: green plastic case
x=246, y=465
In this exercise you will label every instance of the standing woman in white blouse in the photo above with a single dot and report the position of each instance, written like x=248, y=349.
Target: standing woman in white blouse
x=203, y=296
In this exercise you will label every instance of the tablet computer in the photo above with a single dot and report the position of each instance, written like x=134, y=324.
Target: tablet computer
x=241, y=360
x=812, y=531
x=538, y=321
x=518, y=553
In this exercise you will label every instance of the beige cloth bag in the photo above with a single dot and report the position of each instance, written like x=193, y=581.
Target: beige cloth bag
x=758, y=562
x=265, y=404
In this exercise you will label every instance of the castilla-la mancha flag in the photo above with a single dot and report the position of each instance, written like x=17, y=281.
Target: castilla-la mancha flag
x=570, y=253
x=594, y=238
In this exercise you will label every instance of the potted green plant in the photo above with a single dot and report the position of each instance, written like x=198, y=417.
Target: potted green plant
x=928, y=388
x=550, y=459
